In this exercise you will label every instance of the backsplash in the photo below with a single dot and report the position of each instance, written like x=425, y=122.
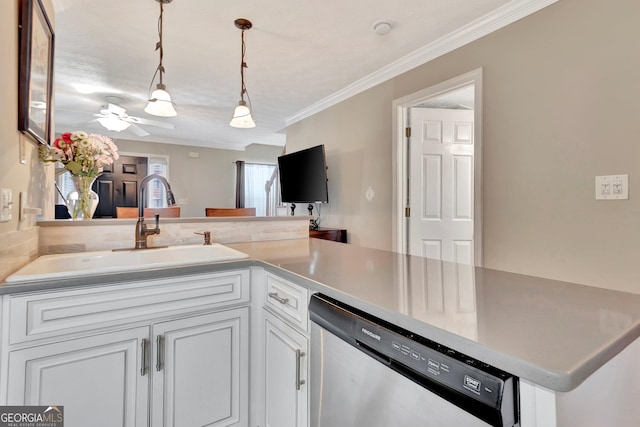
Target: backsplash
x=17, y=248
x=78, y=236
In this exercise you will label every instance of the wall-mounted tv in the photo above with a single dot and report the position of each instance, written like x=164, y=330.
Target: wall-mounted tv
x=303, y=176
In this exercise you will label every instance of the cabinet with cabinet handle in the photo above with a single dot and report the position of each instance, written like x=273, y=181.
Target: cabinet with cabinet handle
x=285, y=353
x=164, y=352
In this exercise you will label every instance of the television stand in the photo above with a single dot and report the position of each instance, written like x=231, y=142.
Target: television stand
x=335, y=234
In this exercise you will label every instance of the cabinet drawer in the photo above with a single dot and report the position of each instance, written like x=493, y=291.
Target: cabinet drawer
x=53, y=313
x=287, y=300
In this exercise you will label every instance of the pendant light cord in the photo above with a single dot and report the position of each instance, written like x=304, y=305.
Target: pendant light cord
x=243, y=65
x=159, y=47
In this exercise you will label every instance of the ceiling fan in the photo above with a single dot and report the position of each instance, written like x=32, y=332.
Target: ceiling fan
x=115, y=118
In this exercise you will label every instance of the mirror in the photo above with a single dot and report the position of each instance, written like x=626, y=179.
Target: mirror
x=200, y=177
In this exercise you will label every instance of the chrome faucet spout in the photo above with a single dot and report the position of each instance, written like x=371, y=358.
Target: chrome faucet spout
x=142, y=231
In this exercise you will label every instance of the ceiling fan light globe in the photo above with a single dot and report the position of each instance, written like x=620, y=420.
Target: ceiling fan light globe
x=160, y=104
x=242, y=117
x=113, y=123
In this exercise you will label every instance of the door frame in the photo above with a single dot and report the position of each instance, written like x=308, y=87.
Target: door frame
x=148, y=156
x=400, y=160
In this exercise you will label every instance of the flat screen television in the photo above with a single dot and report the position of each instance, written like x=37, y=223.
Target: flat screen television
x=303, y=176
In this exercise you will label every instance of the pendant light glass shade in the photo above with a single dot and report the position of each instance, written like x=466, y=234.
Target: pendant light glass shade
x=242, y=117
x=160, y=103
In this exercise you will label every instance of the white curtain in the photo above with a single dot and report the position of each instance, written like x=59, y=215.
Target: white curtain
x=156, y=193
x=255, y=178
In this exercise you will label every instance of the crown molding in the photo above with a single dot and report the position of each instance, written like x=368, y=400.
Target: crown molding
x=497, y=19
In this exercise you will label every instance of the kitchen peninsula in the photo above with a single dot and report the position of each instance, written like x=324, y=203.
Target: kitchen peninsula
x=566, y=342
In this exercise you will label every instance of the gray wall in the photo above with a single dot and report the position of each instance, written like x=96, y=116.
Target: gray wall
x=561, y=92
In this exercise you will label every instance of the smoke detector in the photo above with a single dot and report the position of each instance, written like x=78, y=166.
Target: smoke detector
x=381, y=27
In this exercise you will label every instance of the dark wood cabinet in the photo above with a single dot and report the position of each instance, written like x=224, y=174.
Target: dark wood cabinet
x=335, y=234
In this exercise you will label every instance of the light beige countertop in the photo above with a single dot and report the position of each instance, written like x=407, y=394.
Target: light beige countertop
x=551, y=333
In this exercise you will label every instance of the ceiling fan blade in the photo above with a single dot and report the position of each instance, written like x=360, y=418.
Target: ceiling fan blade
x=138, y=130
x=114, y=109
x=141, y=121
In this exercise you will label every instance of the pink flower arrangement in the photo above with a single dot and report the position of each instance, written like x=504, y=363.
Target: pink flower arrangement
x=80, y=153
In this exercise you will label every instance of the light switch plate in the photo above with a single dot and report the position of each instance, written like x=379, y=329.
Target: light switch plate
x=612, y=187
x=6, y=202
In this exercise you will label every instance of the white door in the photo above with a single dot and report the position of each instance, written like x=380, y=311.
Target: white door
x=97, y=379
x=200, y=370
x=285, y=363
x=442, y=217
x=441, y=184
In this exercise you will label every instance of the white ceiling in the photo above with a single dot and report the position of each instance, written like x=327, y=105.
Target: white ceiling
x=298, y=53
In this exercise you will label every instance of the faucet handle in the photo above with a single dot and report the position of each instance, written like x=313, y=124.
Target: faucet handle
x=207, y=236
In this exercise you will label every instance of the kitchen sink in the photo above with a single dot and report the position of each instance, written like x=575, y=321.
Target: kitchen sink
x=86, y=263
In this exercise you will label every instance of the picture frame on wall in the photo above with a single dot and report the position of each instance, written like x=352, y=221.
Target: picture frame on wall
x=35, y=86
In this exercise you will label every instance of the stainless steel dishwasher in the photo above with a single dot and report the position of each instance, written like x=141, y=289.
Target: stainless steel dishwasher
x=368, y=373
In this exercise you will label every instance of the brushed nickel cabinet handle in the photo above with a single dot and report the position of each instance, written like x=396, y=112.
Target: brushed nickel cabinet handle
x=159, y=355
x=299, y=355
x=143, y=357
x=278, y=298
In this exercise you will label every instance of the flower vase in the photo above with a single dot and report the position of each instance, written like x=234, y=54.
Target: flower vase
x=83, y=202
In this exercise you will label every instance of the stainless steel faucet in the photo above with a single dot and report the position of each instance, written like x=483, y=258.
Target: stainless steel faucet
x=142, y=232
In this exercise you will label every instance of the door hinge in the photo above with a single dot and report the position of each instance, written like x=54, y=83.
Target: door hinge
x=407, y=212
x=407, y=132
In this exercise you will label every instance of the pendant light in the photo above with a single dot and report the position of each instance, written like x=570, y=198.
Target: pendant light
x=242, y=113
x=160, y=103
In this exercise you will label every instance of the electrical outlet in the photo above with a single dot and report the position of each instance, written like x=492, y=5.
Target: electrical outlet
x=6, y=202
x=23, y=150
x=612, y=187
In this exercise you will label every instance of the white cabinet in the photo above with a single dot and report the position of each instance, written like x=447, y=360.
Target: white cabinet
x=97, y=379
x=165, y=353
x=200, y=370
x=286, y=355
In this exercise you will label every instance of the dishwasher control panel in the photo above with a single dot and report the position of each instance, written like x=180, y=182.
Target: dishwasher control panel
x=463, y=376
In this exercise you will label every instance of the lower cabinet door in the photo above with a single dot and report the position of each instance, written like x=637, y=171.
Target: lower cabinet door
x=286, y=354
x=201, y=370
x=100, y=380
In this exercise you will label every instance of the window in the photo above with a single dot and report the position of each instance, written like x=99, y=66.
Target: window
x=256, y=177
x=156, y=193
